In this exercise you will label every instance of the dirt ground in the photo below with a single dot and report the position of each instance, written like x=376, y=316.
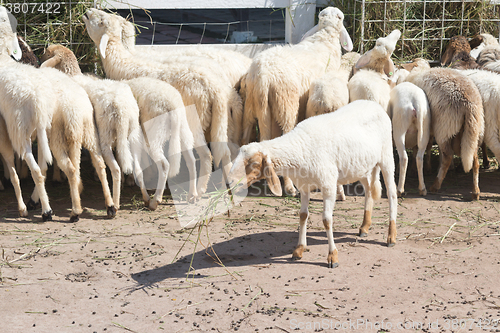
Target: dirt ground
x=132, y=273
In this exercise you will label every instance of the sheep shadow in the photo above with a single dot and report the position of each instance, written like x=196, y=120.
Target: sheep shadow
x=259, y=249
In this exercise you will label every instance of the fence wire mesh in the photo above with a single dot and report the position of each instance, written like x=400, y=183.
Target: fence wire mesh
x=426, y=25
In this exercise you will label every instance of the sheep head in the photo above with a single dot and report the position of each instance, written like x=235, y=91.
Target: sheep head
x=253, y=165
x=102, y=26
x=128, y=33
x=61, y=58
x=458, y=46
x=332, y=17
x=9, y=43
x=379, y=57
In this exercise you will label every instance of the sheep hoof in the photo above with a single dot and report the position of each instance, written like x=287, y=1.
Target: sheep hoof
x=363, y=234
x=433, y=189
x=333, y=259
x=74, y=218
x=153, y=204
x=333, y=264
x=423, y=192
x=401, y=194
x=475, y=196
x=390, y=244
x=47, y=216
x=32, y=205
x=23, y=213
x=297, y=253
x=111, y=212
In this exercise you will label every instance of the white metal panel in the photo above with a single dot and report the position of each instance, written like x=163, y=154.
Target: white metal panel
x=197, y=4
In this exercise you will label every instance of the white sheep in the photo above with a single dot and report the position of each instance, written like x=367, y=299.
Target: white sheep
x=232, y=64
x=353, y=143
x=279, y=78
x=119, y=107
x=488, y=84
x=330, y=92
x=210, y=95
x=372, y=71
x=26, y=108
x=457, y=119
x=480, y=42
x=411, y=126
x=115, y=111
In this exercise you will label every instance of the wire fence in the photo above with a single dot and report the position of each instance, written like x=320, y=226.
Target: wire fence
x=255, y=31
x=426, y=25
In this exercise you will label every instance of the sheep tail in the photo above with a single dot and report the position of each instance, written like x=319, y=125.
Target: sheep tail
x=376, y=188
x=218, y=128
x=473, y=132
x=124, y=154
x=43, y=142
x=174, y=145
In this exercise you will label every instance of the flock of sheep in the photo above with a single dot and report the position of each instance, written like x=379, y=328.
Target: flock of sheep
x=356, y=105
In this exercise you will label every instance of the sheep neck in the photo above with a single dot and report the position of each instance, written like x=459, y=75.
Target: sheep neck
x=284, y=152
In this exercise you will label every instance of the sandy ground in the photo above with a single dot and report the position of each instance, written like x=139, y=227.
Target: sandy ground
x=132, y=273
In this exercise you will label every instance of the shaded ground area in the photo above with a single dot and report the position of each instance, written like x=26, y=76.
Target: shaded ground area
x=132, y=273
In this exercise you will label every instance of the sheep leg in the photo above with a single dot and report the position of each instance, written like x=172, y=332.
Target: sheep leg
x=486, y=161
x=116, y=174
x=56, y=175
x=328, y=205
x=428, y=162
x=70, y=170
x=399, y=140
x=39, y=181
x=340, y=193
x=6, y=173
x=422, y=146
x=446, y=153
x=163, y=166
x=304, y=214
x=387, y=167
x=475, y=178
x=191, y=165
x=100, y=167
x=367, y=218
x=9, y=166
x=42, y=163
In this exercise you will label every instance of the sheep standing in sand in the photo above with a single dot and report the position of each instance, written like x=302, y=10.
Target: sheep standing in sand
x=353, y=143
x=279, y=78
x=457, y=119
x=211, y=97
x=120, y=108
x=372, y=71
x=115, y=111
x=411, y=126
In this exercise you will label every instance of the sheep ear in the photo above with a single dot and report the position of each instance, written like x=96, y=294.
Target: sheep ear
x=103, y=45
x=51, y=62
x=363, y=60
x=389, y=68
x=409, y=66
x=345, y=40
x=476, y=41
x=272, y=179
x=310, y=32
x=13, y=22
x=446, y=58
x=16, y=52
